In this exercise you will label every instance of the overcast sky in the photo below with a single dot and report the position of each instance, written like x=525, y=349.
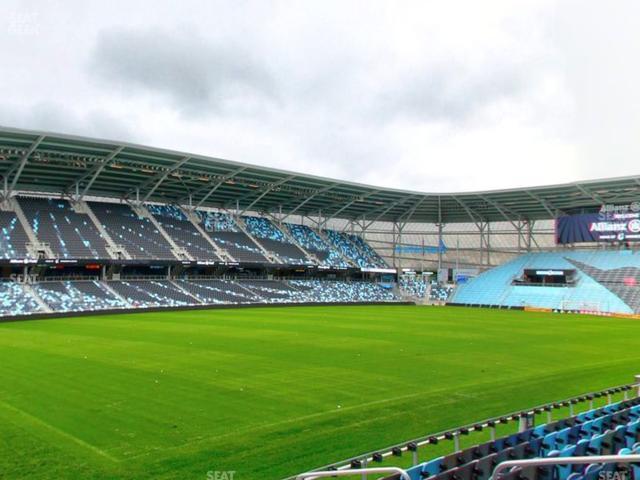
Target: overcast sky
x=425, y=95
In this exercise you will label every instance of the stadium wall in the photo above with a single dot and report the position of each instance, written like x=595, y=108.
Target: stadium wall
x=122, y=311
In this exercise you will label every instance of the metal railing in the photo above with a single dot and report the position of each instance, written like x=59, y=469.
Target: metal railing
x=69, y=278
x=562, y=461
x=523, y=417
x=501, y=469
x=133, y=278
x=363, y=471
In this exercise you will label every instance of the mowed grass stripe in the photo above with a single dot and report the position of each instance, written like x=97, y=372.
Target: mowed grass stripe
x=271, y=392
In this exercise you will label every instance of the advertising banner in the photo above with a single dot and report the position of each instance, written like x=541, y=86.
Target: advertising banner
x=613, y=223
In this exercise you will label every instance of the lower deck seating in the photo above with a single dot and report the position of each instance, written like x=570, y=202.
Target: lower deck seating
x=80, y=296
x=15, y=301
x=613, y=429
x=156, y=293
x=440, y=293
x=413, y=287
x=338, y=291
x=218, y=291
x=274, y=291
x=85, y=295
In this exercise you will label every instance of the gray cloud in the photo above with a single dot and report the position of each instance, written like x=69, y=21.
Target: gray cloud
x=450, y=92
x=55, y=117
x=195, y=74
x=418, y=95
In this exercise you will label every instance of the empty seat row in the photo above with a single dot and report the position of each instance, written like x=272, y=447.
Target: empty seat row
x=440, y=292
x=79, y=296
x=356, y=249
x=340, y=291
x=155, y=293
x=599, y=431
x=183, y=232
x=15, y=301
x=413, y=287
x=68, y=233
x=13, y=238
x=92, y=295
x=218, y=291
x=367, y=252
x=274, y=291
x=273, y=240
x=315, y=245
x=137, y=234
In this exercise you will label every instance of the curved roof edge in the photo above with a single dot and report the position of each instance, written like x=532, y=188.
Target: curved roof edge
x=78, y=166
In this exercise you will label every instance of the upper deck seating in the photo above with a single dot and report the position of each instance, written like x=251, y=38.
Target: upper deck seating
x=13, y=238
x=315, y=245
x=356, y=249
x=341, y=242
x=273, y=240
x=182, y=231
x=222, y=229
x=371, y=256
x=137, y=234
x=68, y=233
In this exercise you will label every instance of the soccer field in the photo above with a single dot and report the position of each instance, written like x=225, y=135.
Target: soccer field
x=270, y=392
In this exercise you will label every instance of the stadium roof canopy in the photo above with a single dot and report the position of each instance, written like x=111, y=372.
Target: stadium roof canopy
x=71, y=165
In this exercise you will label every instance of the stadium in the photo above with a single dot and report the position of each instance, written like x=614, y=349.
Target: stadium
x=171, y=315
x=306, y=240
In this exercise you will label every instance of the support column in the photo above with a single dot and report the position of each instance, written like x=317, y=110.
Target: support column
x=439, y=225
x=488, y=243
x=400, y=228
x=519, y=229
x=395, y=244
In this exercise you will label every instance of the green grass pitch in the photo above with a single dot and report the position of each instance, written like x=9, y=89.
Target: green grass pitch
x=271, y=392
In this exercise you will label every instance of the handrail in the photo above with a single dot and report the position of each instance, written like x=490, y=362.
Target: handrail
x=537, y=462
x=361, y=471
x=69, y=278
x=454, y=434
